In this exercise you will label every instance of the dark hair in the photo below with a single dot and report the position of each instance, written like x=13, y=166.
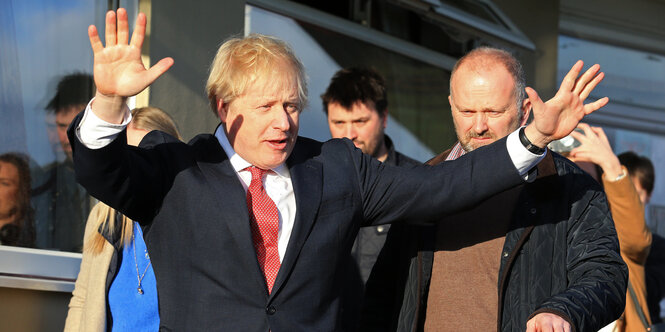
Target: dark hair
x=352, y=85
x=74, y=89
x=24, y=218
x=639, y=167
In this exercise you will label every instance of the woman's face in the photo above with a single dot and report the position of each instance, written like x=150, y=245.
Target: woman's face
x=9, y=184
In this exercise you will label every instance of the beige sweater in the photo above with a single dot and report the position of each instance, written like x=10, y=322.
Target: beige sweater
x=635, y=242
x=87, y=308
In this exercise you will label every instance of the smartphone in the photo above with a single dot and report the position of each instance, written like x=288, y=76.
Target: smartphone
x=565, y=144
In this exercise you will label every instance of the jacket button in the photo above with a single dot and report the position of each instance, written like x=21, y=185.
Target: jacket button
x=271, y=310
x=505, y=254
x=533, y=210
x=380, y=229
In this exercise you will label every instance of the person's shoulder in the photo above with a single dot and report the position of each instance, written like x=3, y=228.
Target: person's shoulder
x=155, y=138
x=304, y=149
x=573, y=174
x=203, y=147
x=331, y=145
x=403, y=160
x=332, y=150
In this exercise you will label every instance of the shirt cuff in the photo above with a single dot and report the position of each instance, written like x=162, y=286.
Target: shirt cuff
x=96, y=133
x=522, y=158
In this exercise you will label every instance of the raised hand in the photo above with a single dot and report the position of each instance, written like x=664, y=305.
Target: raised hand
x=559, y=116
x=595, y=148
x=118, y=70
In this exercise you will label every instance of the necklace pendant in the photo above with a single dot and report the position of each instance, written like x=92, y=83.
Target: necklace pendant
x=140, y=290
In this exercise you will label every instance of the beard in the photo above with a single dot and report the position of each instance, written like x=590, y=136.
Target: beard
x=468, y=146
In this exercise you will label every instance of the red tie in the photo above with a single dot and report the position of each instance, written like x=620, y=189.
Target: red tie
x=264, y=218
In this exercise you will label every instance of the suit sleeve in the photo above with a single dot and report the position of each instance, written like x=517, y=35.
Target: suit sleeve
x=597, y=276
x=129, y=179
x=425, y=194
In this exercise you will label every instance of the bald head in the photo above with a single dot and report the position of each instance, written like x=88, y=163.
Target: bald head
x=487, y=97
x=483, y=58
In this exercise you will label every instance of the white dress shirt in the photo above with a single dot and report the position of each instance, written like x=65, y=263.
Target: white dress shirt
x=96, y=133
x=278, y=187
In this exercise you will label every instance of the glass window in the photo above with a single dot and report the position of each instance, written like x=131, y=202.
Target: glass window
x=45, y=80
x=633, y=77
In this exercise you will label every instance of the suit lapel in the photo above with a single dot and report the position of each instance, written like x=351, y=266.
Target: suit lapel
x=232, y=210
x=307, y=180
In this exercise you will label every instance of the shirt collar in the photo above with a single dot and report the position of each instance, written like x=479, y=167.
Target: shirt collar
x=392, y=158
x=456, y=151
x=238, y=163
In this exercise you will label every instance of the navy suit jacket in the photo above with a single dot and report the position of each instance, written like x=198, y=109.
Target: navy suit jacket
x=196, y=225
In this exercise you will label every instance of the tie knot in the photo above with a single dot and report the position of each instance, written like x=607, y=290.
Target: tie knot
x=257, y=173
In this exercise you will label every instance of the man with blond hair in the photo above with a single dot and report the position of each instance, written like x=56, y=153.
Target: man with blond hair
x=250, y=229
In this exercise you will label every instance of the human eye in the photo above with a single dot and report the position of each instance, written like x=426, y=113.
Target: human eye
x=291, y=107
x=496, y=113
x=264, y=107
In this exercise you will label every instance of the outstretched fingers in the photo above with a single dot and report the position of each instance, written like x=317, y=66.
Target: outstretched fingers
x=157, y=70
x=123, y=27
x=592, y=85
x=596, y=105
x=111, y=38
x=570, y=79
x=139, y=31
x=582, y=81
x=94, y=39
x=535, y=100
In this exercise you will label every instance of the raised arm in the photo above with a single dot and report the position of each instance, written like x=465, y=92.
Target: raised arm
x=559, y=116
x=625, y=205
x=118, y=70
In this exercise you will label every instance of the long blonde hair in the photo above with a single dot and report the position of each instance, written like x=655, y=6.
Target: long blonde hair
x=146, y=118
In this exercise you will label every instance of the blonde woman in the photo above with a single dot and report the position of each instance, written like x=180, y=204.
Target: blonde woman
x=116, y=288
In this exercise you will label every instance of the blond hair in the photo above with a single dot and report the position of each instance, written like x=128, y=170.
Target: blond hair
x=239, y=62
x=153, y=118
x=146, y=118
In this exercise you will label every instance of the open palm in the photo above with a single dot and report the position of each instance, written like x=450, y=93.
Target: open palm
x=118, y=70
x=557, y=117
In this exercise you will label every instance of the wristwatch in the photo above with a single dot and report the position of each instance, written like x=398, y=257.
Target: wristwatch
x=528, y=145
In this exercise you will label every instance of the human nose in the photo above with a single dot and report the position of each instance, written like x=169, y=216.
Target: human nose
x=350, y=131
x=480, y=123
x=281, y=120
x=62, y=135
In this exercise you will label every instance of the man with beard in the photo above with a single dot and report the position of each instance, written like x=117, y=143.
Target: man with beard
x=356, y=104
x=548, y=259
x=251, y=228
